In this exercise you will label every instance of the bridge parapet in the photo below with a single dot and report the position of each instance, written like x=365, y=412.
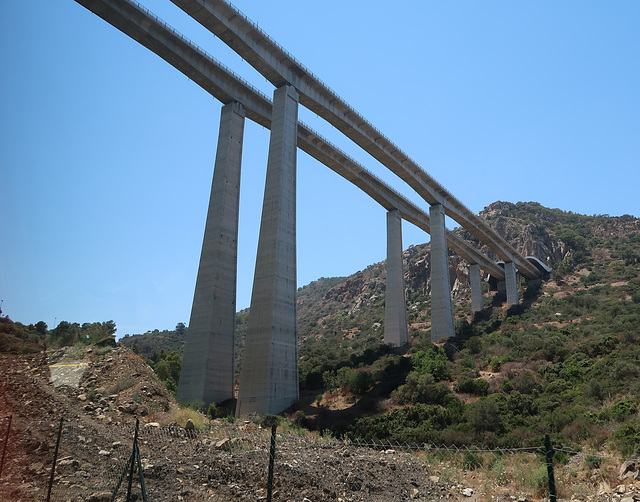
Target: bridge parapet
x=279, y=67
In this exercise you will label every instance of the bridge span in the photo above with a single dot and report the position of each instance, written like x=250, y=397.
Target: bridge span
x=280, y=68
x=227, y=87
x=270, y=384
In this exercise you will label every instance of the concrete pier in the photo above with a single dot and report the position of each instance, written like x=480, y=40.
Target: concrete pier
x=395, y=309
x=475, y=280
x=208, y=369
x=441, y=306
x=511, y=283
x=269, y=375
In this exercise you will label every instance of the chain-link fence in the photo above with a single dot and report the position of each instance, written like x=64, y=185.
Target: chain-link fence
x=68, y=461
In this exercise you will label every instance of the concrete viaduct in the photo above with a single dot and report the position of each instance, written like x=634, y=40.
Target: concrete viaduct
x=269, y=378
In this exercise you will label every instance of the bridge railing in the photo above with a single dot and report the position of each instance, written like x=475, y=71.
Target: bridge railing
x=354, y=162
x=446, y=194
x=311, y=74
x=194, y=46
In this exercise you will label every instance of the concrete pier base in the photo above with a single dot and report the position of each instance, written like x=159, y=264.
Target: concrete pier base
x=441, y=306
x=269, y=376
x=511, y=283
x=395, y=310
x=207, y=369
x=475, y=280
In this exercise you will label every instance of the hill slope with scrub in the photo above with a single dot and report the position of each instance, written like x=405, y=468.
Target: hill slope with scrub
x=565, y=362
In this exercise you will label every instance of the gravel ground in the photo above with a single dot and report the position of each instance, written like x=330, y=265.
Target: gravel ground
x=227, y=461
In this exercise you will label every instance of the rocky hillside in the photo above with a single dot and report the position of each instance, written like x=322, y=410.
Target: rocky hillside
x=215, y=461
x=565, y=362
x=347, y=313
x=340, y=309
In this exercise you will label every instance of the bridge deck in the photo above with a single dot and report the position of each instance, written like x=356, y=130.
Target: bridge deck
x=279, y=67
x=227, y=87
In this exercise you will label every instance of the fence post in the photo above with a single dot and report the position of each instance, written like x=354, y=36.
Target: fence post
x=133, y=460
x=141, y=474
x=6, y=442
x=549, y=455
x=55, y=459
x=272, y=455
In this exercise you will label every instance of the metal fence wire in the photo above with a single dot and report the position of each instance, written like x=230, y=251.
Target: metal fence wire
x=239, y=461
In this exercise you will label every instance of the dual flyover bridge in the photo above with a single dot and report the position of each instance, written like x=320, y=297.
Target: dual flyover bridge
x=269, y=378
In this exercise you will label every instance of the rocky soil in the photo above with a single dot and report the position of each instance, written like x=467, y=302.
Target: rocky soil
x=229, y=462
x=226, y=461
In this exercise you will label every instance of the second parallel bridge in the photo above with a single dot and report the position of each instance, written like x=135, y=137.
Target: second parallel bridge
x=224, y=85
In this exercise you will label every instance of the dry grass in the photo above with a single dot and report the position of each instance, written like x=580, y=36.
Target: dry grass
x=182, y=415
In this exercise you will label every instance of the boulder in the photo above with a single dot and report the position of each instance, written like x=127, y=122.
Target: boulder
x=630, y=469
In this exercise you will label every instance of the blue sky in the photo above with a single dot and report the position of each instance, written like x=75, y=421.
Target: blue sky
x=106, y=152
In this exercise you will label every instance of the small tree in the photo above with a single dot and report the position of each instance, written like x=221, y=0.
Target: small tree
x=162, y=370
x=41, y=328
x=175, y=365
x=212, y=411
x=484, y=415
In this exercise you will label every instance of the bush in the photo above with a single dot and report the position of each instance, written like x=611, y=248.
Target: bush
x=421, y=389
x=474, y=344
x=477, y=387
x=484, y=415
x=269, y=421
x=471, y=461
x=593, y=462
x=195, y=405
x=433, y=361
x=622, y=409
x=300, y=419
x=212, y=411
x=349, y=379
x=627, y=439
x=526, y=383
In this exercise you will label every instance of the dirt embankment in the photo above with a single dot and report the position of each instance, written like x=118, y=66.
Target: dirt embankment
x=118, y=387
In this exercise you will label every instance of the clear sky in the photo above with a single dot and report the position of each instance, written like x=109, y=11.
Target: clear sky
x=106, y=151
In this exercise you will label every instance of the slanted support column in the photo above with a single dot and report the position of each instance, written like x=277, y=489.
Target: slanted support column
x=441, y=307
x=207, y=370
x=269, y=378
x=511, y=283
x=395, y=309
x=476, y=288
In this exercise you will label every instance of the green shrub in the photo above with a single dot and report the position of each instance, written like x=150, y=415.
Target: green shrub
x=478, y=387
x=474, y=344
x=212, y=411
x=356, y=381
x=471, y=461
x=269, y=421
x=526, y=383
x=593, y=461
x=300, y=419
x=622, y=409
x=195, y=405
x=421, y=389
x=433, y=361
x=484, y=415
x=627, y=439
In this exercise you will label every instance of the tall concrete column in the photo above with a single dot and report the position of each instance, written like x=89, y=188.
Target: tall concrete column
x=395, y=309
x=511, y=283
x=207, y=367
x=475, y=280
x=269, y=376
x=441, y=306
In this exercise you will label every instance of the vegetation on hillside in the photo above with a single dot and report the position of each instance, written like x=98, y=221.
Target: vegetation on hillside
x=566, y=361
x=16, y=337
